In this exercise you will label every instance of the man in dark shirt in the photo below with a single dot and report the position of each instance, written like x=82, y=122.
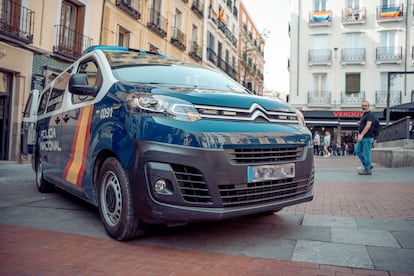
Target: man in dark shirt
x=365, y=139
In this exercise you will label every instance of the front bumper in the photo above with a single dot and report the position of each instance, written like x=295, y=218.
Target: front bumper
x=211, y=184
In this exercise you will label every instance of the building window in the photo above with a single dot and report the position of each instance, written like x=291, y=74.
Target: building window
x=319, y=84
x=123, y=36
x=352, y=82
x=153, y=48
x=320, y=5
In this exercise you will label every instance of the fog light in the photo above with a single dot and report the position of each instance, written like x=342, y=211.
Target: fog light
x=161, y=187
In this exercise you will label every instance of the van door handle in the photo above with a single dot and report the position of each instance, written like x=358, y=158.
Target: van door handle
x=57, y=120
x=66, y=118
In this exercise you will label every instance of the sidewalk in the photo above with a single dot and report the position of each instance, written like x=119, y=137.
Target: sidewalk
x=356, y=225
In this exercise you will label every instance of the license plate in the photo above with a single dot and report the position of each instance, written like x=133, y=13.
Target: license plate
x=270, y=172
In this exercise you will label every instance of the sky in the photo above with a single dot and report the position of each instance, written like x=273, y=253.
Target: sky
x=273, y=16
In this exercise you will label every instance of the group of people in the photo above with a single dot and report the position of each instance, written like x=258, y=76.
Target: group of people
x=363, y=145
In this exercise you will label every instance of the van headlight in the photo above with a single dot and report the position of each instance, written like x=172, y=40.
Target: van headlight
x=162, y=106
x=301, y=119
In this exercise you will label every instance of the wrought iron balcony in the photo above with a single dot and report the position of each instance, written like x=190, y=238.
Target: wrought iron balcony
x=197, y=7
x=70, y=43
x=319, y=98
x=16, y=21
x=353, y=56
x=128, y=8
x=389, y=55
x=320, y=18
x=320, y=57
x=353, y=15
x=352, y=98
x=388, y=13
x=157, y=23
x=195, y=51
x=178, y=38
x=381, y=98
x=211, y=55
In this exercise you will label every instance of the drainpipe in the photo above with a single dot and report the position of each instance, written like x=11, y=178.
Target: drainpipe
x=297, y=47
x=102, y=20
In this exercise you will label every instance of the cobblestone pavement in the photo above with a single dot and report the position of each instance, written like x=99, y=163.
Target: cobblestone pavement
x=356, y=225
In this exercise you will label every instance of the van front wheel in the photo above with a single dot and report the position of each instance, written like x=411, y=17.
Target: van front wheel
x=43, y=186
x=116, y=204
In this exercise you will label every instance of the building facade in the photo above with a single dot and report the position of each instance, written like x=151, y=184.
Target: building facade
x=342, y=53
x=251, y=53
x=39, y=38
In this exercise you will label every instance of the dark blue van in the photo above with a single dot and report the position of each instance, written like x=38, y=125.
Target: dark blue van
x=153, y=140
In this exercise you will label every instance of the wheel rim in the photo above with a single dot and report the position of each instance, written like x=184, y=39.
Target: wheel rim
x=111, y=199
x=39, y=175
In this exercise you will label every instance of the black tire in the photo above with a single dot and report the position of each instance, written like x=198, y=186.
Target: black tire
x=42, y=185
x=115, y=203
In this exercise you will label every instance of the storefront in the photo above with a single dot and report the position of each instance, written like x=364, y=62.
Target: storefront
x=342, y=125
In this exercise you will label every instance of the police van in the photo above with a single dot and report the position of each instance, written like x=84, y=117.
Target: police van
x=153, y=140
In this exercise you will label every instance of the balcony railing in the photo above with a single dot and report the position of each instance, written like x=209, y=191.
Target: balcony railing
x=70, y=43
x=320, y=18
x=195, y=51
x=353, y=16
x=126, y=7
x=197, y=7
x=381, y=98
x=211, y=55
x=352, y=98
x=157, y=23
x=353, y=56
x=178, y=38
x=16, y=21
x=389, y=54
x=319, y=98
x=320, y=57
x=390, y=13
x=225, y=30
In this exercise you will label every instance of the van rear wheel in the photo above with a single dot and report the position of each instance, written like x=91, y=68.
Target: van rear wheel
x=115, y=203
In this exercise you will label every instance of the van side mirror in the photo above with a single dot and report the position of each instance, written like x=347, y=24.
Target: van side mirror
x=78, y=85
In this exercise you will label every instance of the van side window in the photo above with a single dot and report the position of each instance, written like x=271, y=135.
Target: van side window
x=43, y=102
x=91, y=69
x=58, y=90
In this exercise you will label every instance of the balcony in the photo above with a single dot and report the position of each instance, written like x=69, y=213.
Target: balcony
x=319, y=98
x=70, y=43
x=225, y=66
x=353, y=56
x=211, y=55
x=320, y=18
x=197, y=8
x=178, y=38
x=352, y=98
x=157, y=23
x=353, y=16
x=195, y=51
x=390, y=13
x=226, y=31
x=320, y=57
x=389, y=55
x=381, y=98
x=16, y=21
x=126, y=7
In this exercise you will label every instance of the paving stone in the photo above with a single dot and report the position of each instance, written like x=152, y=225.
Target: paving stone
x=405, y=239
x=332, y=253
x=302, y=232
x=394, y=224
x=364, y=237
x=392, y=259
x=330, y=221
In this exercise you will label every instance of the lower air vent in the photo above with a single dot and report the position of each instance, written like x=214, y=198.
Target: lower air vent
x=192, y=185
x=262, y=192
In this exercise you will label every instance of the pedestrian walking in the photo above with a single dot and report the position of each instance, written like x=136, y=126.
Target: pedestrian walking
x=326, y=144
x=365, y=139
x=317, y=143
